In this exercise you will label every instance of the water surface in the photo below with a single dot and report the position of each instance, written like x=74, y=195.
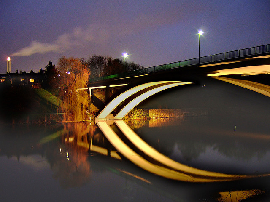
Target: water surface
x=222, y=128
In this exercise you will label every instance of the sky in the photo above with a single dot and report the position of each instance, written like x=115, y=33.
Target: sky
x=152, y=32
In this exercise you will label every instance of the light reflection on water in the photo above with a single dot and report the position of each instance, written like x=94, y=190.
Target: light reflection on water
x=92, y=160
x=81, y=163
x=226, y=150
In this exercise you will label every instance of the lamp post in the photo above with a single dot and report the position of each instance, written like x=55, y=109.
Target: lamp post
x=200, y=33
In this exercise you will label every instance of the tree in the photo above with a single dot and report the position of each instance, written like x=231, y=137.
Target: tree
x=97, y=64
x=50, y=80
x=74, y=75
x=116, y=66
x=104, y=66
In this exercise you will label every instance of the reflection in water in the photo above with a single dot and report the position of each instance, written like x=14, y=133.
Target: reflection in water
x=92, y=142
x=36, y=162
x=72, y=168
x=165, y=167
x=52, y=136
x=71, y=157
x=69, y=163
x=254, y=86
x=236, y=196
x=161, y=122
x=137, y=141
x=136, y=158
x=77, y=163
x=89, y=137
x=168, y=168
x=136, y=176
x=153, y=117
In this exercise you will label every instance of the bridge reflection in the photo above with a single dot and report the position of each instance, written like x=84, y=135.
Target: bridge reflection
x=91, y=138
x=149, y=159
x=235, y=196
x=162, y=165
x=158, y=163
x=254, y=86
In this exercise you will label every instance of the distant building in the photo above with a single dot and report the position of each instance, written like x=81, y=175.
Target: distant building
x=31, y=79
x=46, y=77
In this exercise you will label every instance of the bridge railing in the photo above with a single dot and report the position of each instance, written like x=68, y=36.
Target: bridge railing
x=226, y=56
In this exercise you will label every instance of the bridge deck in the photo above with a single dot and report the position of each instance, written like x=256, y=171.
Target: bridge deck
x=231, y=58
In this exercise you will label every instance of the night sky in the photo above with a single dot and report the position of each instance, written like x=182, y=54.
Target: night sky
x=153, y=32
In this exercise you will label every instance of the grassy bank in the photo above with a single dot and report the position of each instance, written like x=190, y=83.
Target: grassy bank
x=24, y=105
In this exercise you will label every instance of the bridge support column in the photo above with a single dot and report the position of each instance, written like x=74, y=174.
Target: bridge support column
x=107, y=94
x=90, y=92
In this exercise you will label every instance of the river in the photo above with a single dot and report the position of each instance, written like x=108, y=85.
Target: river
x=217, y=127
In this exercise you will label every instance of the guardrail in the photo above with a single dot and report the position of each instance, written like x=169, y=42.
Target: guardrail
x=226, y=56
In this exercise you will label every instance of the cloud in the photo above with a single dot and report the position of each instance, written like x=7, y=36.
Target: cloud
x=79, y=37
x=37, y=47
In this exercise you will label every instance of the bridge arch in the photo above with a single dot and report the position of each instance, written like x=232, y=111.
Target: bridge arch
x=151, y=87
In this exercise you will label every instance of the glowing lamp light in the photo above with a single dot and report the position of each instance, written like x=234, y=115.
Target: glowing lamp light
x=200, y=32
x=8, y=59
x=125, y=55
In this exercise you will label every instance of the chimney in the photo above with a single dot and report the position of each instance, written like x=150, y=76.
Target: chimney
x=8, y=65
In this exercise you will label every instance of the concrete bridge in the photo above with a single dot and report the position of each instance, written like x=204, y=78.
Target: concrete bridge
x=127, y=92
x=145, y=82
x=232, y=59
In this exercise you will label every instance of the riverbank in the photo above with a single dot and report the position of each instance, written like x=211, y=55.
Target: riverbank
x=23, y=105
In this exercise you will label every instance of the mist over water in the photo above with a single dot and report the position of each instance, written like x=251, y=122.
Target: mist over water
x=223, y=128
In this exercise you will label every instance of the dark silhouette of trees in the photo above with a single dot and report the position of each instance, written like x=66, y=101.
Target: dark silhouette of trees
x=97, y=64
x=50, y=81
x=101, y=66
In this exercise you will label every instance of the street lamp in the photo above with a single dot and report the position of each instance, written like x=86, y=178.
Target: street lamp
x=200, y=33
x=125, y=55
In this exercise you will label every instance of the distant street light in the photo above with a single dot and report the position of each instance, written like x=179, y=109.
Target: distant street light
x=125, y=55
x=200, y=33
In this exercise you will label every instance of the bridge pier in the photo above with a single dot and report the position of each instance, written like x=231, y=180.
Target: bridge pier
x=103, y=97
x=107, y=94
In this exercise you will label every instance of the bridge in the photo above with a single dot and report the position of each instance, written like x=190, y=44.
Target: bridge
x=150, y=80
x=131, y=88
x=230, y=57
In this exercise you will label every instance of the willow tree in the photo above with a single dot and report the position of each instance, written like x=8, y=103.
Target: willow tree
x=74, y=75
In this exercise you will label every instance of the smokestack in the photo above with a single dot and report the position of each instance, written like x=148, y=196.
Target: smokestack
x=8, y=65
